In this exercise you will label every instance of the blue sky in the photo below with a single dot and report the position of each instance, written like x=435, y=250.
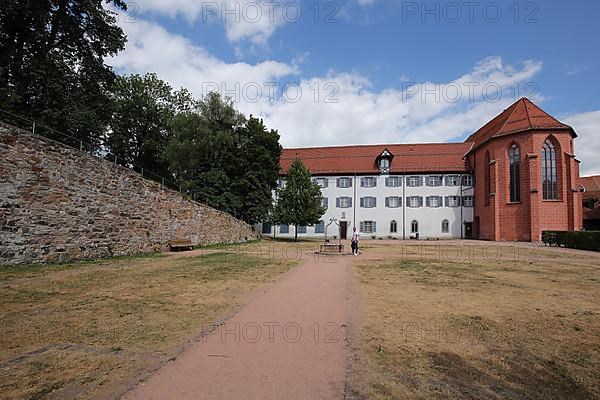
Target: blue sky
x=374, y=71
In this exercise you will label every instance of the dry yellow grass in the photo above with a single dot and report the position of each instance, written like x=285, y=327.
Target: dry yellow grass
x=89, y=330
x=521, y=323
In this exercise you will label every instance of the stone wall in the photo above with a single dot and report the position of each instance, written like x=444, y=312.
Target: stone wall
x=59, y=204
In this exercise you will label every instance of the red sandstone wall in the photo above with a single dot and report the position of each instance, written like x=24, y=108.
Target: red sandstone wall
x=525, y=220
x=59, y=204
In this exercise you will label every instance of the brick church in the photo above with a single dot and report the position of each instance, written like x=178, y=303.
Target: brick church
x=512, y=179
x=528, y=175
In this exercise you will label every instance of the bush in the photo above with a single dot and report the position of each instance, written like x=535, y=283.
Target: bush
x=549, y=238
x=583, y=240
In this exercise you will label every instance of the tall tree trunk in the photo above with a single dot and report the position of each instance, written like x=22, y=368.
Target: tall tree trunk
x=295, y=233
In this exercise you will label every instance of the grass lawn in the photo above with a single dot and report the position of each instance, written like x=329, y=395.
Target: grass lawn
x=90, y=329
x=441, y=326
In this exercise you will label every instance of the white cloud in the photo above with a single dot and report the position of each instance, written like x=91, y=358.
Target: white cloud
x=189, y=9
x=587, y=145
x=251, y=20
x=366, y=2
x=433, y=113
x=150, y=48
x=574, y=69
x=360, y=114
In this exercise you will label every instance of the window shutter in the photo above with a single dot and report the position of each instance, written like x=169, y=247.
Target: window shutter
x=325, y=182
x=374, y=182
x=362, y=182
x=362, y=226
x=387, y=182
x=337, y=202
x=447, y=201
x=399, y=201
x=374, y=226
x=387, y=202
x=420, y=201
x=337, y=182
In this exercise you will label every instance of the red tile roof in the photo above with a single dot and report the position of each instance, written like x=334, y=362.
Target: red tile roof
x=592, y=191
x=408, y=158
x=522, y=115
x=590, y=183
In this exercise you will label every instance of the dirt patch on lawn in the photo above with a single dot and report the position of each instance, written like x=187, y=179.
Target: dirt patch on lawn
x=90, y=330
x=480, y=327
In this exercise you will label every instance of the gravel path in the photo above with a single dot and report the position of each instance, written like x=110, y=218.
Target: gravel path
x=290, y=342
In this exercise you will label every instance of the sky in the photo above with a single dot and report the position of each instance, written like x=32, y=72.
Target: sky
x=374, y=71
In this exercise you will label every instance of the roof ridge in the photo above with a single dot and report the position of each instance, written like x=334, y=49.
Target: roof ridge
x=513, y=107
x=342, y=156
x=375, y=145
x=525, y=100
x=545, y=113
x=473, y=137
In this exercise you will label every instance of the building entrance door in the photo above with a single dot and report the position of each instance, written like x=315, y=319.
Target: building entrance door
x=468, y=230
x=343, y=230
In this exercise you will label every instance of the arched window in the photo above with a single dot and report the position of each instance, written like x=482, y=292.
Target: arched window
x=488, y=178
x=514, y=157
x=414, y=226
x=445, y=226
x=549, y=178
x=393, y=227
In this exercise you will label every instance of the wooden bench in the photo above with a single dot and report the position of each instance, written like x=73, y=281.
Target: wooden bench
x=181, y=244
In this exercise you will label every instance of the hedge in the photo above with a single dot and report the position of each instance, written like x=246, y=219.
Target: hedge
x=583, y=240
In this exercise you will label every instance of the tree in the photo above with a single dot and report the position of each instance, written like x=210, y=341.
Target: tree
x=299, y=201
x=52, y=66
x=201, y=151
x=139, y=130
x=225, y=160
x=257, y=170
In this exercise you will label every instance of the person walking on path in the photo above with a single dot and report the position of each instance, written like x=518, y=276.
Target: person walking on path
x=354, y=242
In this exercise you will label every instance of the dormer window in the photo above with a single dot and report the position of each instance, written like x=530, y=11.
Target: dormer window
x=384, y=162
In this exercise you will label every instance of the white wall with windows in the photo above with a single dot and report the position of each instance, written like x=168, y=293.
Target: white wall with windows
x=386, y=206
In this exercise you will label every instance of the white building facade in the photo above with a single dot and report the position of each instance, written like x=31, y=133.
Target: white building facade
x=388, y=204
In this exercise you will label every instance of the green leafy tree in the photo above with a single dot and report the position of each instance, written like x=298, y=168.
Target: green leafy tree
x=52, y=66
x=299, y=202
x=144, y=109
x=257, y=170
x=225, y=160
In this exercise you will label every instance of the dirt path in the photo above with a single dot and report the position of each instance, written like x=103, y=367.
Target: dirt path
x=289, y=343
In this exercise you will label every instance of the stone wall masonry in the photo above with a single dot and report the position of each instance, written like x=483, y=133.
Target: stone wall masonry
x=60, y=204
